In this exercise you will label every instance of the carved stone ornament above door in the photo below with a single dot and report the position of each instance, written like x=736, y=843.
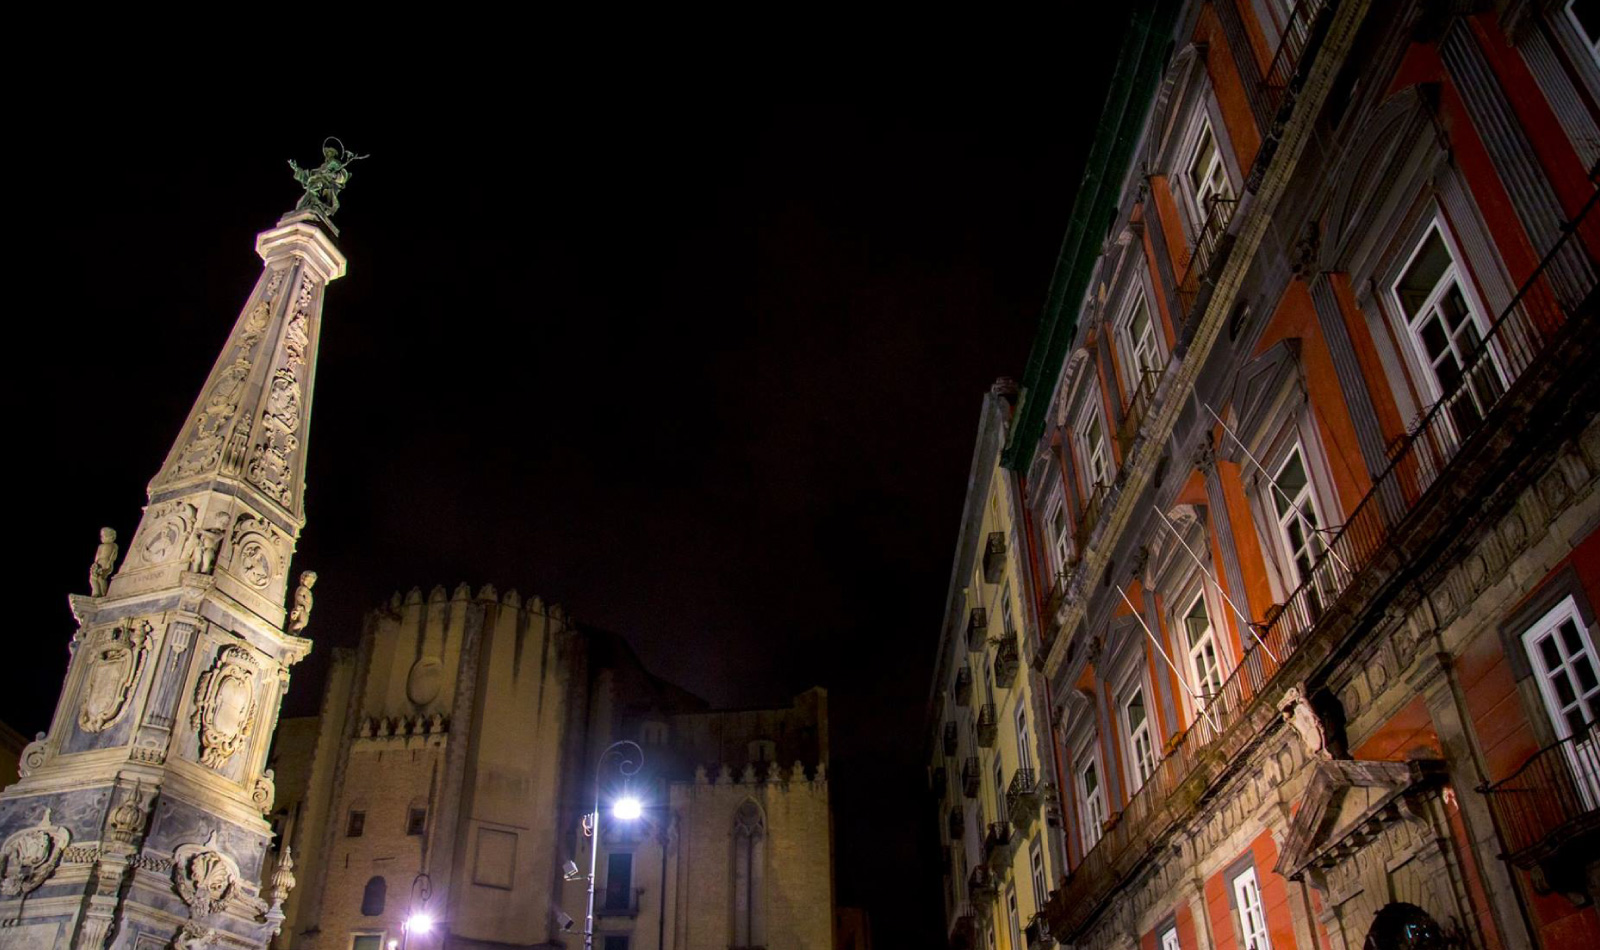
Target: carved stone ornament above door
x=225, y=705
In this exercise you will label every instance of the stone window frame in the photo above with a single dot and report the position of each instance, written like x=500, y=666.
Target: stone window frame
x=1091, y=758
x=1013, y=915
x=355, y=820
x=1167, y=925
x=1185, y=583
x=1236, y=871
x=1558, y=587
x=417, y=806
x=1189, y=101
x=1064, y=546
x=1272, y=440
x=1087, y=405
x=382, y=936
x=1038, y=873
x=1141, y=292
x=1569, y=18
x=1137, y=678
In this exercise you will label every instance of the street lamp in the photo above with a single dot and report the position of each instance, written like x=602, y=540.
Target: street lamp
x=418, y=920
x=627, y=808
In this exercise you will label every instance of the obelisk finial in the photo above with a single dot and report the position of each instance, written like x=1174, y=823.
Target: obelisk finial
x=323, y=183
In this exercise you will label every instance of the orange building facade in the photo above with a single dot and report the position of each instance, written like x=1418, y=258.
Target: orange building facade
x=1305, y=463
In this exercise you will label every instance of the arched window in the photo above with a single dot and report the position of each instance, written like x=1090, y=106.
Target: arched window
x=749, y=873
x=372, y=898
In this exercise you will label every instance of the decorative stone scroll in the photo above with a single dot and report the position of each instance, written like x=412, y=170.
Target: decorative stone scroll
x=115, y=663
x=33, y=756
x=30, y=856
x=225, y=706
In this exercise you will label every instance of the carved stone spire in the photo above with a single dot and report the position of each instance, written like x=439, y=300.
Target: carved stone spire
x=160, y=735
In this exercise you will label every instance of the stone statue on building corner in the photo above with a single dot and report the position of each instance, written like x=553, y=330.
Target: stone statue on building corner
x=200, y=551
x=105, y=561
x=323, y=183
x=1297, y=712
x=300, y=613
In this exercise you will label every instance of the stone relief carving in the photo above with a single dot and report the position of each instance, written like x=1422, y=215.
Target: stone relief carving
x=115, y=664
x=200, y=551
x=162, y=534
x=225, y=706
x=282, y=880
x=300, y=613
x=127, y=820
x=105, y=561
x=256, y=551
x=271, y=466
x=265, y=791
x=205, y=877
x=30, y=856
x=193, y=936
x=1297, y=712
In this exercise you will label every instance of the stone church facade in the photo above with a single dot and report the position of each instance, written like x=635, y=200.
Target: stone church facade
x=1305, y=464
x=454, y=759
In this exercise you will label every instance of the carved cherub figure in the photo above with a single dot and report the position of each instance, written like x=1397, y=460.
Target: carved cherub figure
x=105, y=561
x=1297, y=712
x=201, y=549
x=300, y=613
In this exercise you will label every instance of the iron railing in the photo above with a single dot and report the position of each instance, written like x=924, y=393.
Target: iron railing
x=988, y=725
x=1556, y=791
x=964, y=684
x=1144, y=393
x=997, y=838
x=952, y=738
x=1518, y=338
x=1090, y=516
x=977, y=627
x=994, y=557
x=964, y=928
x=1022, y=795
x=971, y=777
x=1297, y=33
x=956, y=823
x=981, y=884
x=1007, y=657
x=1207, y=245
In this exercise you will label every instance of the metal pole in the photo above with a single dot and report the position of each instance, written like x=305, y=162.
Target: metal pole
x=629, y=765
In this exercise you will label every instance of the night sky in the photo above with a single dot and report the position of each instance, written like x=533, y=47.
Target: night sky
x=706, y=373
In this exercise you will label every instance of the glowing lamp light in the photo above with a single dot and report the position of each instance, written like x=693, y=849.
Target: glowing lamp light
x=419, y=924
x=627, y=808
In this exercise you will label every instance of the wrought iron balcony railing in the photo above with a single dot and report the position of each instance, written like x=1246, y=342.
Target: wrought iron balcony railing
x=1053, y=599
x=952, y=738
x=994, y=557
x=1144, y=393
x=971, y=777
x=1210, y=242
x=1090, y=516
x=1548, y=810
x=997, y=841
x=1007, y=657
x=1022, y=795
x=988, y=725
x=1519, y=340
x=981, y=885
x=977, y=628
x=1037, y=933
x=964, y=684
x=964, y=928
x=1292, y=45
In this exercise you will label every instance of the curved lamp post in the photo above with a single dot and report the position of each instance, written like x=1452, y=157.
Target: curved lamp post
x=627, y=808
x=417, y=920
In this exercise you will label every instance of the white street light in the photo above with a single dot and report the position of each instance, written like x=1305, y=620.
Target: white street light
x=627, y=808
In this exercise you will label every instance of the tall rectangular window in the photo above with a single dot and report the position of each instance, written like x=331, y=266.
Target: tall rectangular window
x=1445, y=326
x=1141, y=747
x=1169, y=939
x=1208, y=176
x=1201, y=643
x=1585, y=18
x=1299, y=524
x=1139, y=336
x=1024, y=757
x=619, y=880
x=356, y=825
x=1006, y=619
x=1564, y=664
x=1091, y=804
x=1252, y=915
x=1013, y=919
x=1060, y=533
x=1036, y=871
x=366, y=942
x=1093, y=453
x=999, y=790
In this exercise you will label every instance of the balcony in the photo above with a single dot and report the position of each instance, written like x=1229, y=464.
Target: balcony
x=952, y=738
x=1548, y=811
x=977, y=628
x=1022, y=796
x=1466, y=446
x=997, y=842
x=964, y=685
x=964, y=928
x=1054, y=598
x=1008, y=656
x=971, y=777
x=939, y=782
x=1210, y=249
x=619, y=902
x=956, y=822
x=981, y=885
x=994, y=557
x=1144, y=394
x=1090, y=516
x=1037, y=933
x=988, y=726
x=1277, y=82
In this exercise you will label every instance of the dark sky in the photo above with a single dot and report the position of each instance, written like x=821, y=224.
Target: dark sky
x=706, y=374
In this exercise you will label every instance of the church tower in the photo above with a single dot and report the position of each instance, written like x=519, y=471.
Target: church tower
x=138, y=820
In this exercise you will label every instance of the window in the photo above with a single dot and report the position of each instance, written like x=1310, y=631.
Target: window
x=1012, y=918
x=619, y=880
x=1299, y=523
x=1139, y=339
x=763, y=750
x=373, y=897
x=1563, y=659
x=1092, y=804
x=1252, y=917
x=1060, y=533
x=1169, y=939
x=366, y=941
x=749, y=871
x=1585, y=17
x=1024, y=757
x=1141, y=748
x=356, y=825
x=1036, y=868
x=616, y=942
x=1208, y=178
x=1201, y=643
x=1006, y=619
x=1444, y=324
x=1093, y=454
x=416, y=820
x=999, y=791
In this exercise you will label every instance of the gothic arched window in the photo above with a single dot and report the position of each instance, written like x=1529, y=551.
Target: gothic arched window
x=749, y=873
x=373, y=897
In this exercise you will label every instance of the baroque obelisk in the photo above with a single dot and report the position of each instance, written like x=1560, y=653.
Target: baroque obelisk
x=138, y=820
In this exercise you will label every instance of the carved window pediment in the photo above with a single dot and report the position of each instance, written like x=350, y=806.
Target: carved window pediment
x=1346, y=803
